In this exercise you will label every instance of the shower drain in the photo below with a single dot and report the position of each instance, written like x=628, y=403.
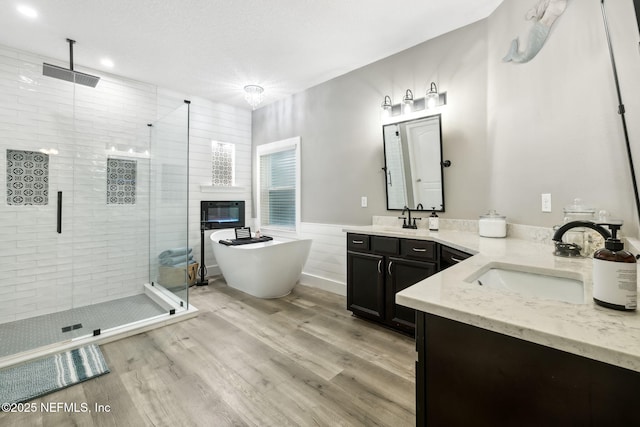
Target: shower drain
x=72, y=327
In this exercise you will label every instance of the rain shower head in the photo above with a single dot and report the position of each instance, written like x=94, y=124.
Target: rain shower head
x=69, y=74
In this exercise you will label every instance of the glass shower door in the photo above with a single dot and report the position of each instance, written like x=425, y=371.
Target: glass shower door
x=110, y=214
x=36, y=261
x=171, y=261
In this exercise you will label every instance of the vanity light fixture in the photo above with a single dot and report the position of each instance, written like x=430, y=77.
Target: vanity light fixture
x=432, y=96
x=407, y=101
x=387, y=107
x=253, y=95
x=386, y=104
x=409, y=105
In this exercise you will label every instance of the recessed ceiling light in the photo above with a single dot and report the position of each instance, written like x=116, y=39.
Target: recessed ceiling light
x=107, y=62
x=27, y=11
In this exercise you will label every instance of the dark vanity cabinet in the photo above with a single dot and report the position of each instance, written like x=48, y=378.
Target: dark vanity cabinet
x=469, y=376
x=378, y=267
x=450, y=256
x=365, y=269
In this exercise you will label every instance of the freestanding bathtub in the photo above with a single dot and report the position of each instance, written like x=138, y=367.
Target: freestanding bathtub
x=264, y=270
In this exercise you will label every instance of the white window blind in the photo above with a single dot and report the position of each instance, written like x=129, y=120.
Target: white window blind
x=279, y=185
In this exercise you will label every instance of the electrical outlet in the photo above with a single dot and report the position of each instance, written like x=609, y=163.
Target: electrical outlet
x=363, y=201
x=546, y=202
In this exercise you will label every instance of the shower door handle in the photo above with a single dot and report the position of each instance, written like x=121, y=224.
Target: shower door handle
x=59, y=212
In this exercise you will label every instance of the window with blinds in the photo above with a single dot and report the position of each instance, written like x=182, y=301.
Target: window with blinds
x=279, y=184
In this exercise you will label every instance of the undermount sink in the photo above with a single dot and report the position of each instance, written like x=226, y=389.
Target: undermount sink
x=534, y=282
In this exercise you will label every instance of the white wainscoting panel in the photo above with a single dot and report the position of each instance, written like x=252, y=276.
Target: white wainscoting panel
x=326, y=267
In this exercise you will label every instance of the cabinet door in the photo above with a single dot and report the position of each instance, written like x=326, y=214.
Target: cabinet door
x=450, y=257
x=365, y=284
x=402, y=273
x=476, y=377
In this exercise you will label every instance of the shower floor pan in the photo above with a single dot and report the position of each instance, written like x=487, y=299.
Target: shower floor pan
x=48, y=333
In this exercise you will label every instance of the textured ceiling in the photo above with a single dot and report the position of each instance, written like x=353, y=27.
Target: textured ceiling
x=212, y=48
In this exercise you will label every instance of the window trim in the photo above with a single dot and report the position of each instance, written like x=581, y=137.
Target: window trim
x=270, y=148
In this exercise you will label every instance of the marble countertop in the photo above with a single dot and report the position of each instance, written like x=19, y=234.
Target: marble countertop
x=585, y=329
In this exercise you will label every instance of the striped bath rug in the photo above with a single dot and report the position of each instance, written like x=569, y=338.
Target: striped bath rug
x=43, y=376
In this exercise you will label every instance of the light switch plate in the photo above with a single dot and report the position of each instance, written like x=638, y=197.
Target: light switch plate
x=546, y=202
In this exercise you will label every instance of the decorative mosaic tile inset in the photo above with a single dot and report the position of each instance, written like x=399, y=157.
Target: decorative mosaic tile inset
x=222, y=164
x=27, y=178
x=121, y=182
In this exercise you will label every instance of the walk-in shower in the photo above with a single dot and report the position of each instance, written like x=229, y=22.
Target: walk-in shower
x=95, y=185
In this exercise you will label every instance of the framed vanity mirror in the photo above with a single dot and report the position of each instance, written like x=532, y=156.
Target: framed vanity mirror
x=413, y=164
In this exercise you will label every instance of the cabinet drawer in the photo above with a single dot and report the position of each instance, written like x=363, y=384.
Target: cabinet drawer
x=385, y=245
x=419, y=249
x=357, y=242
x=450, y=256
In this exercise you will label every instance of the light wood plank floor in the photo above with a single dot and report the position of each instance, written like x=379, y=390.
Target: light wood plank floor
x=301, y=360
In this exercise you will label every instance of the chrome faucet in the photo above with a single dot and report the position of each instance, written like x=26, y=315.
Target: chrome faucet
x=571, y=249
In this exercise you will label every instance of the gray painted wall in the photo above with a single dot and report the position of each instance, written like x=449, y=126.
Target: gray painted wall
x=553, y=124
x=512, y=131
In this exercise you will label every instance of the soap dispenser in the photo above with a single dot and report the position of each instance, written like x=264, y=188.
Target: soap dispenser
x=434, y=220
x=615, y=274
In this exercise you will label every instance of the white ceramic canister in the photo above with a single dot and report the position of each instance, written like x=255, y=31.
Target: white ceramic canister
x=492, y=225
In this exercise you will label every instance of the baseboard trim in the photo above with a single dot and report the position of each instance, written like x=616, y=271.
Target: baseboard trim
x=213, y=270
x=323, y=283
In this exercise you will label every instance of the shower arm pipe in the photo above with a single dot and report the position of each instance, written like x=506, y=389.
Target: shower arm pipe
x=621, y=111
x=71, y=42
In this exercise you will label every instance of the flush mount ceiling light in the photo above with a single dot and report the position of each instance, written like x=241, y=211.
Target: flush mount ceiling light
x=253, y=95
x=107, y=62
x=27, y=11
